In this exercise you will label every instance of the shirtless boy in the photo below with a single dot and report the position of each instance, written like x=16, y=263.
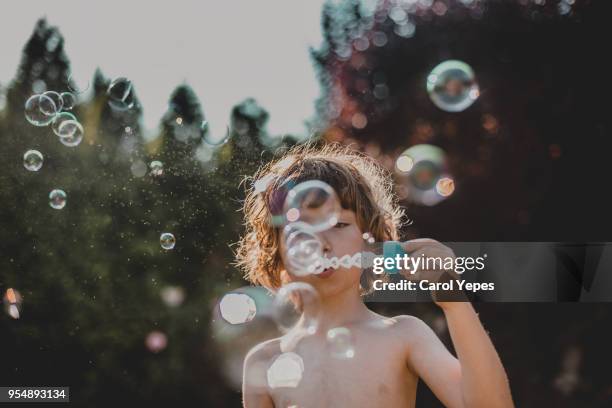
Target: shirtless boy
x=390, y=353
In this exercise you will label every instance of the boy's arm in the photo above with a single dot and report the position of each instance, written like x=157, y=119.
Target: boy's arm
x=254, y=390
x=477, y=378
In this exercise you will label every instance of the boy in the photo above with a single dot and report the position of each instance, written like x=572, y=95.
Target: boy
x=390, y=354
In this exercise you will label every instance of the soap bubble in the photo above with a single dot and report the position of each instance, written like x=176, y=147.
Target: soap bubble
x=36, y=107
x=285, y=371
x=237, y=308
x=12, y=303
x=314, y=203
x=70, y=133
x=340, y=343
x=59, y=119
x=303, y=250
x=424, y=169
x=57, y=100
x=157, y=168
x=297, y=302
x=32, y=160
x=69, y=100
x=156, y=341
x=120, y=94
x=167, y=241
x=76, y=86
x=57, y=199
x=452, y=86
x=173, y=296
x=445, y=186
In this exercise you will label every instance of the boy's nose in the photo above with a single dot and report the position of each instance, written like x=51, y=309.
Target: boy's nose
x=325, y=242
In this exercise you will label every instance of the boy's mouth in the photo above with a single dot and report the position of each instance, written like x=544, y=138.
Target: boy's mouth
x=327, y=272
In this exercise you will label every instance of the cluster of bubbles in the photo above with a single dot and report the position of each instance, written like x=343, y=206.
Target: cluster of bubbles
x=310, y=207
x=296, y=311
x=52, y=108
x=12, y=303
x=424, y=167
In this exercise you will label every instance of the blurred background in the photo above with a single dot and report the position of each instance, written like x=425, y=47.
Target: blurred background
x=116, y=231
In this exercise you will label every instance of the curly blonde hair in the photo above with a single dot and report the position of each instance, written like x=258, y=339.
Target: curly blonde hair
x=362, y=185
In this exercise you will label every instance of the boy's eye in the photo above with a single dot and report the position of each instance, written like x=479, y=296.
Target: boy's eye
x=341, y=225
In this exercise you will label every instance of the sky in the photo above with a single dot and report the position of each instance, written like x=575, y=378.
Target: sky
x=225, y=50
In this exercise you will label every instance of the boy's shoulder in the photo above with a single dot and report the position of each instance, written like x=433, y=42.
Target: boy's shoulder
x=264, y=350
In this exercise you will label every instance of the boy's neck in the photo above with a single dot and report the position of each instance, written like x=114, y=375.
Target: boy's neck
x=342, y=309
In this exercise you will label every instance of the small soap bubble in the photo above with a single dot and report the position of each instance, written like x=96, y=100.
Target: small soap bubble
x=59, y=119
x=35, y=110
x=340, y=343
x=70, y=133
x=157, y=168
x=314, y=203
x=156, y=341
x=167, y=241
x=452, y=86
x=68, y=100
x=286, y=371
x=57, y=199
x=445, y=186
x=120, y=94
x=32, y=160
x=404, y=163
x=297, y=301
x=57, y=101
x=76, y=86
x=237, y=308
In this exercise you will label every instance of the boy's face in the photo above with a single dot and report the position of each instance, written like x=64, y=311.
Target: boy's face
x=345, y=238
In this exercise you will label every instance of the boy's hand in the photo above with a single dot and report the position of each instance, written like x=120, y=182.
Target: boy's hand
x=434, y=249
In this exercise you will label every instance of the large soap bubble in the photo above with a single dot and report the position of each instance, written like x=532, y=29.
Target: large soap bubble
x=452, y=86
x=237, y=308
x=70, y=133
x=40, y=110
x=57, y=199
x=313, y=203
x=59, y=119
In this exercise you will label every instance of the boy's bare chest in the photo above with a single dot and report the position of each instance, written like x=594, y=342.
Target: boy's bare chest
x=375, y=376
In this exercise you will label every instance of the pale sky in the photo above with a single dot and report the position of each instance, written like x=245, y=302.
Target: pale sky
x=225, y=50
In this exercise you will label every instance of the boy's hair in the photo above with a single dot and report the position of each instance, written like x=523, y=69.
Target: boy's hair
x=362, y=185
